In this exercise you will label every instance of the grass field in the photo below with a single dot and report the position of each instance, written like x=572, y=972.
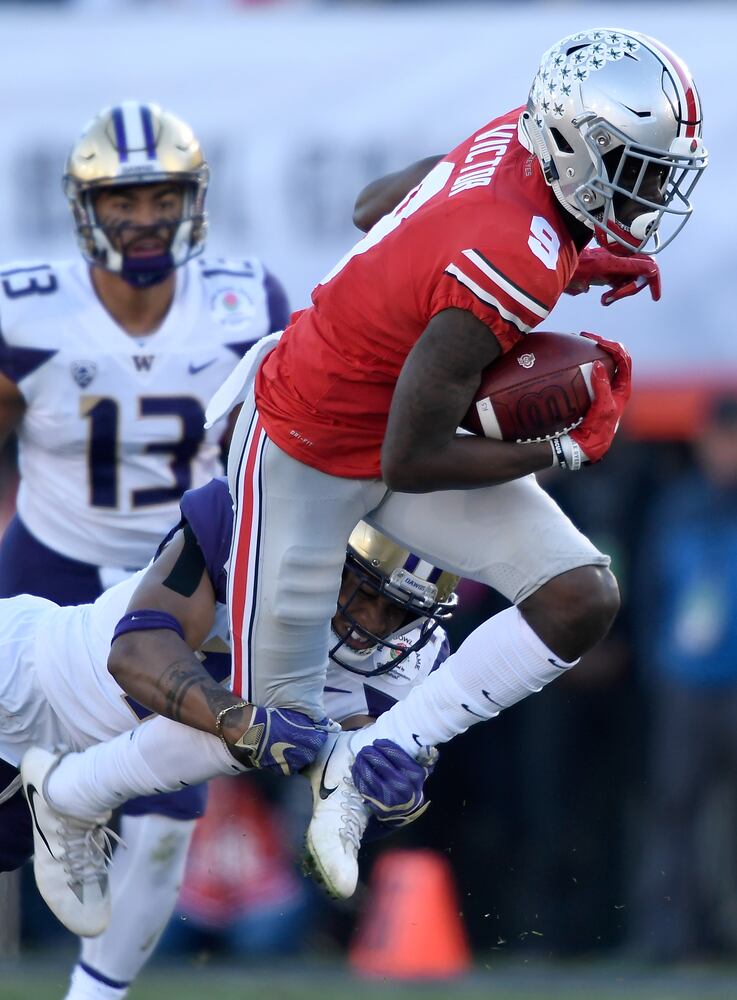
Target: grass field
x=34, y=980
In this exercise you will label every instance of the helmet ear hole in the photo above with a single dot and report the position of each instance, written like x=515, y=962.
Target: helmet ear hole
x=561, y=142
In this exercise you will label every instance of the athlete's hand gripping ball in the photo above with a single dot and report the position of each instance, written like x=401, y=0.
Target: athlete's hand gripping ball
x=590, y=441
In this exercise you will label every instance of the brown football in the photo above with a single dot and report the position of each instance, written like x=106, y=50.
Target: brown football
x=542, y=387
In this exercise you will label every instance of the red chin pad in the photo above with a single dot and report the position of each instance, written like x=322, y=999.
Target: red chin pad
x=604, y=239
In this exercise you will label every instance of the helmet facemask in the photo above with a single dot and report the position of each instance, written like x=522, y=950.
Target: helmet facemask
x=103, y=244
x=605, y=101
x=628, y=177
x=427, y=600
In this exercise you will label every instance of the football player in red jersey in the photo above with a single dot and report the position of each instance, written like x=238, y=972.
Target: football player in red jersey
x=358, y=405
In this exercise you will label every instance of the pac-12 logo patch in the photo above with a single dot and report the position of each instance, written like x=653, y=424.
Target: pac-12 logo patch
x=232, y=307
x=526, y=360
x=83, y=372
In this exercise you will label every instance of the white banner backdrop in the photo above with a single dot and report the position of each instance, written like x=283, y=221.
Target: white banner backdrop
x=298, y=108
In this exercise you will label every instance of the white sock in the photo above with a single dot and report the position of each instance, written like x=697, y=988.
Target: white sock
x=144, y=885
x=86, y=984
x=499, y=664
x=158, y=756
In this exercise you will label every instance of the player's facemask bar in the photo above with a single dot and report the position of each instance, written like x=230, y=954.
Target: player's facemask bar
x=423, y=614
x=625, y=175
x=102, y=243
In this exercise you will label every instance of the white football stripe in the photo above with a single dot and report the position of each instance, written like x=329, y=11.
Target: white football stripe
x=487, y=417
x=486, y=297
x=133, y=125
x=423, y=569
x=505, y=285
x=586, y=369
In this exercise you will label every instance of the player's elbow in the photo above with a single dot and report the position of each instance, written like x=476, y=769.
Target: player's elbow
x=398, y=473
x=363, y=216
x=123, y=656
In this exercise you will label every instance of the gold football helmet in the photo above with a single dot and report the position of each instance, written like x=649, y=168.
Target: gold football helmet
x=426, y=593
x=129, y=144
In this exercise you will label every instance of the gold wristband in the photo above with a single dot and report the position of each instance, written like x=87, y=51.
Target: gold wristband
x=221, y=715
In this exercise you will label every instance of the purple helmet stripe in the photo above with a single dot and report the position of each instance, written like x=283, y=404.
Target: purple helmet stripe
x=148, y=131
x=435, y=575
x=410, y=563
x=120, y=139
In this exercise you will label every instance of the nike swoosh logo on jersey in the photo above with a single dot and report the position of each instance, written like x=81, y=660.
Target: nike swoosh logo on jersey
x=194, y=369
x=32, y=791
x=326, y=792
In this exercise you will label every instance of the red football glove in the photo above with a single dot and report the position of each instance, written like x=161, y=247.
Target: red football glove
x=590, y=441
x=626, y=275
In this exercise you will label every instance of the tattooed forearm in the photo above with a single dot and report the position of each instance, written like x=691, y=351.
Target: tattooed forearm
x=164, y=675
x=180, y=678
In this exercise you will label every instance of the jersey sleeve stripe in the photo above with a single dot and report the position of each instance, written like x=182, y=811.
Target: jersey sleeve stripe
x=486, y=297
x=506, y=284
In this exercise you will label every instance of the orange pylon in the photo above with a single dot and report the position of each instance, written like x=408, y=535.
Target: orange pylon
x=411, y=927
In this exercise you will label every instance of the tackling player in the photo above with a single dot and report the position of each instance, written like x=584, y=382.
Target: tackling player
x=106, y=363
x=170, y=652
x=357, y=406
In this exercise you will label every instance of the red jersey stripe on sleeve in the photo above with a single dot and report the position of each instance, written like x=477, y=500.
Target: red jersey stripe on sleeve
x=494, y=288
x=527, y=301
x=481, y=293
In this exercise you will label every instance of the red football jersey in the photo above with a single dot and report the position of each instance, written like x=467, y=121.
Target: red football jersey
x=482, y=232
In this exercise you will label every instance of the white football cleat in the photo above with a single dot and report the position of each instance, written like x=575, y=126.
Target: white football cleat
x=71, y=855
x=339, y=818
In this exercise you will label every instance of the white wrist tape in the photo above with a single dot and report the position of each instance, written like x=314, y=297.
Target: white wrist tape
x=567, y=453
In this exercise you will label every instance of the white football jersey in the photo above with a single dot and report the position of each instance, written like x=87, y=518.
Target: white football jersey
x=348, y=693
x=114, y=429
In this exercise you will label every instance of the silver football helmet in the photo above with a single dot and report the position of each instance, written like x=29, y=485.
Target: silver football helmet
x=129, y=144
x=426, y=593
x=614, y=119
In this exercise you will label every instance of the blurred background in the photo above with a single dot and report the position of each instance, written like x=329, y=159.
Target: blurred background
x=599, y=817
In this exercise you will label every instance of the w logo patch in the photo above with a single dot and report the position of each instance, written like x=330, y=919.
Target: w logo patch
x=143, y=362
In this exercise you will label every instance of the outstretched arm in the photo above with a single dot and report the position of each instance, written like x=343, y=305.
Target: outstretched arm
x=159, y=668
x=383, y=195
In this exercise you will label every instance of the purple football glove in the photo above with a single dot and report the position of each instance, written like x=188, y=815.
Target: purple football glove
x=281, y=740
x=392, y=783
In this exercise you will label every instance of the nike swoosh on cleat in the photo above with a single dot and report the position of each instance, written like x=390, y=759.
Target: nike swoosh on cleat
x=326, y=792
x=560, y=666
x=194, y=369
x=32, y=790
x=416, y=738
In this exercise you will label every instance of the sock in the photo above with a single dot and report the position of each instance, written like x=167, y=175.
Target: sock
x=87, y=984
x=144, y=885
x=499, y=664
x=158, y=756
